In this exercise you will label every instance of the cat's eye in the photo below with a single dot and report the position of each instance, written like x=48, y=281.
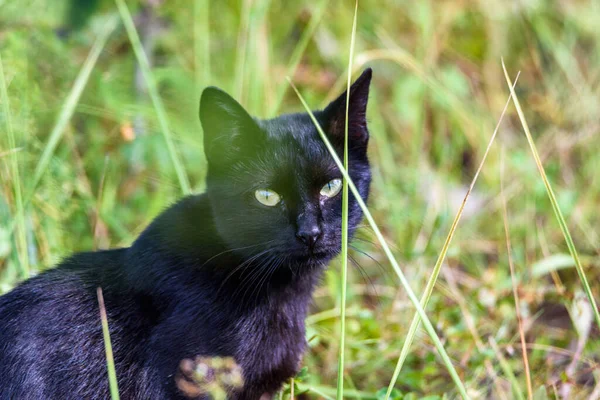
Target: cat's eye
x=331, y=188
x=267, y=197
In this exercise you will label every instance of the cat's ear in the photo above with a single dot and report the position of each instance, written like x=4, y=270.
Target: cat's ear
x=335, y=113
x=229, y=131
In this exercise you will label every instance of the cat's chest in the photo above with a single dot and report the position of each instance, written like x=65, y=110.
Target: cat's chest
x=271, y=341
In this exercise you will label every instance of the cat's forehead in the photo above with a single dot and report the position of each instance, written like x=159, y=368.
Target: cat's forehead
x=296, y=135
x=294, y=148
x=289, y=126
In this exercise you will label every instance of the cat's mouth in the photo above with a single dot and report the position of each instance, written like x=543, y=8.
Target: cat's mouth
x=314, y=256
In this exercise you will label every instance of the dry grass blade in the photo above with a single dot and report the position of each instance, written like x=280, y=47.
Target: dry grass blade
x=506, y=368
x=396, y=267
x=514, y=282
x=110, y=361
x=161, y=113
x=412, y=330
x=561, y=220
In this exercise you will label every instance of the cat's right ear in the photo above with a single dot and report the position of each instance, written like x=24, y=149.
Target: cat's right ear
x=229, y=131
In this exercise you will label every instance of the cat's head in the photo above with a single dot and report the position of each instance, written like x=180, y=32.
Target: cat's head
x=274, y=188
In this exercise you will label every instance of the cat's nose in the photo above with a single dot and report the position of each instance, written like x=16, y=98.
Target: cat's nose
x=309, y=236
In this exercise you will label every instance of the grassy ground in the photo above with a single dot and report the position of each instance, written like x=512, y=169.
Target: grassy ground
x=92, y=171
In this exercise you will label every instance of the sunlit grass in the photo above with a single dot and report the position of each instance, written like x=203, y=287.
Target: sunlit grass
x=68, y=108
x=438, y=85
x=514, y=281
x=412, y=330
x=161, y=113
x=201, y=43
x=16, y=179
x=508, y=370
x=344, y=250
x=413, y=298
x=307, y=35
x=555, y=207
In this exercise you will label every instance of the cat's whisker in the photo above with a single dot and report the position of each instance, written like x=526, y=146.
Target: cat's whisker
x=242, y=265
x=236, y=249
x=365, y=241
x=254, y=273
x=257, y=275
x=365, y=276
x=270, y=269
x=364, y=253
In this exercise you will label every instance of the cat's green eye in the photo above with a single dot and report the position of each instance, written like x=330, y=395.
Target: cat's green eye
x=331, y=188
x=267, y=197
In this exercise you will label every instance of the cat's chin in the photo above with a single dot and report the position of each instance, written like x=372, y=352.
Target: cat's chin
x=317, y=258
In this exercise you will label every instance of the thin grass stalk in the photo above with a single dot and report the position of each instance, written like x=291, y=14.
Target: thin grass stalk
x=256, y=71
x=9, y=152
x=110, y=361
x=242, y=49
x=69, y=106
x=296, y=56
x=412, y=330
x=201, y=43
x=506, y=368
x=328, y=393
x=471, y=324
x=514, y=281
x=159, y=107
x=21, y=235
x=411, y=295
x=344, y=275
x=561, y=220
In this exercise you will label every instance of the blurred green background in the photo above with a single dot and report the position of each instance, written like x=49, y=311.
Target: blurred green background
x=92, y=171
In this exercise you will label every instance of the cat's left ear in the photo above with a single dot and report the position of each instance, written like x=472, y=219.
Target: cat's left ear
x=335, y=113
x=229, y=131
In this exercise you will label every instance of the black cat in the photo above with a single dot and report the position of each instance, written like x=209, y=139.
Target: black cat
x=227, y=273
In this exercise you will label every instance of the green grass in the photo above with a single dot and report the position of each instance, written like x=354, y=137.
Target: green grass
x=344, y=249
x=72, y=178
x=414, y=325
x=161, y=113
x=427, y=323
x=21, y=234
x=110, y=361
x=555, y=206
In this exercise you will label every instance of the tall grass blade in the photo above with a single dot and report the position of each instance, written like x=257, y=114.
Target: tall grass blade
x=201, y=42
x=69, y=107
x=507, y=370
x=161, y=113
x=514, y=281
x=242, y=49
x=21, y=235
x=344, y=275
x=412, y=330
x=296, y=56
x=561, y=220
x=411, y=295
x=110, y=361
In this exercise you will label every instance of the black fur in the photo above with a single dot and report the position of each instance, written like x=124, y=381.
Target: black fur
x=215, y=274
